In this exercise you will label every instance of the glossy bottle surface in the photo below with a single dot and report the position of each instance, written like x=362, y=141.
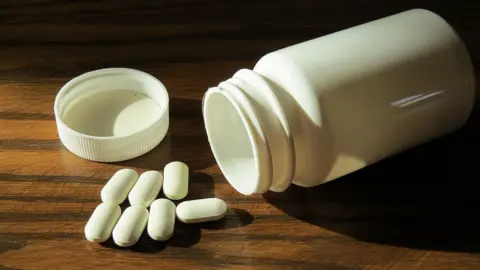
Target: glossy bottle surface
x=321, y=109
x=359, y=95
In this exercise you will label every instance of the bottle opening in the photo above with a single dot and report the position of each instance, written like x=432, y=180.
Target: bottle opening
x=232, y=141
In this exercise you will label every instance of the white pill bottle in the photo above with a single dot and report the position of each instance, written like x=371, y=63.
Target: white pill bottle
x=321, y=109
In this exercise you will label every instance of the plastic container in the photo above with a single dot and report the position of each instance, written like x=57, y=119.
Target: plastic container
x=97, y=114
x=321, y=109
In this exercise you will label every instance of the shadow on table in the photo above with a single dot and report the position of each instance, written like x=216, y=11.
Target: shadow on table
x=185, y=141
x=187, y=235
x=426, y=198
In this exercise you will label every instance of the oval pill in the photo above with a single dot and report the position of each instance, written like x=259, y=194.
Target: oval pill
x=117, y=188
x=146, y=189
x=202, y=210
x=161, y=221
x=100, y=225
x=130, y=226
x=175, y=183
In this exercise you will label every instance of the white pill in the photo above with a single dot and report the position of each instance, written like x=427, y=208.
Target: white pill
x=130, y=226
x=117, y=188
x=202, y=210
x=100, y=225
x=146, y=189
x=161, y=220
x=175, y=185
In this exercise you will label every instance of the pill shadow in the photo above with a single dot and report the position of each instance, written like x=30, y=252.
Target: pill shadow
x=235, y=218
x=186, y=235
x=201, y=185
x=144, y=245
x=425, y=198
x=186, y=140
x=183, y=236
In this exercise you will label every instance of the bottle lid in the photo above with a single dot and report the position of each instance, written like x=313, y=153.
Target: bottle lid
x=112, y=114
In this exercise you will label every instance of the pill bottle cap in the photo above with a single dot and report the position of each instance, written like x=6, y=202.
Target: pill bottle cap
x=112, y=114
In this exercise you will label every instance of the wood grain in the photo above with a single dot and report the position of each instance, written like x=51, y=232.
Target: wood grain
x=413, y=211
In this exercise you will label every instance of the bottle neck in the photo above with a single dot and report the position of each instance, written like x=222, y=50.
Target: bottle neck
x=249, y=134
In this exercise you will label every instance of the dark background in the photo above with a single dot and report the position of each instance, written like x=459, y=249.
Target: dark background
x=417, y=210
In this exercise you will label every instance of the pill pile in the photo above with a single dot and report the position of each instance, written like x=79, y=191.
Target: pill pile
x=107, y=219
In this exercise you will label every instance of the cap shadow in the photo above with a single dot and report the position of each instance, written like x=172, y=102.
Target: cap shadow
x=186, y=140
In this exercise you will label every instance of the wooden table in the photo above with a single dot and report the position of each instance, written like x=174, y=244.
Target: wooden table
x=414, y=211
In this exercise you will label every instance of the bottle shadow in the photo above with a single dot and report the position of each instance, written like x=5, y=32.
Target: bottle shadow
x=425, y=198
x=201, y=186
